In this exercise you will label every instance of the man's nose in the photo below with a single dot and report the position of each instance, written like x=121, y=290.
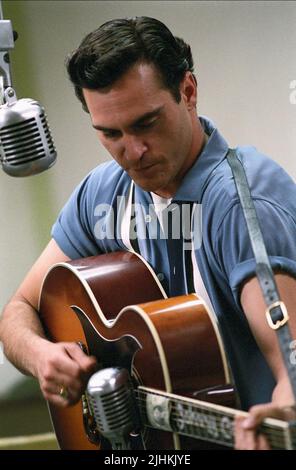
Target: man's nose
x=134, y=148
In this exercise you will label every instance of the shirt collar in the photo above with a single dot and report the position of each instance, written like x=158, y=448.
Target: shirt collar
x=213, y=153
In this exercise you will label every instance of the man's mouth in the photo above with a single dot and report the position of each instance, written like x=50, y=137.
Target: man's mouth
x=143, y=168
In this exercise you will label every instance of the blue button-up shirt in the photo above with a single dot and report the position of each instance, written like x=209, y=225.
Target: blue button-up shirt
x=91, y=223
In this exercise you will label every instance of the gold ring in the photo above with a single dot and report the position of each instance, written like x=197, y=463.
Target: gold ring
x=63, y=392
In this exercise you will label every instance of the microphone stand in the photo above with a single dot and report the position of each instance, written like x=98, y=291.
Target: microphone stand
x=26, y=145
x=7, y=38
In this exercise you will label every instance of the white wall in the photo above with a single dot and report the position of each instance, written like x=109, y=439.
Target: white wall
x=245, y=62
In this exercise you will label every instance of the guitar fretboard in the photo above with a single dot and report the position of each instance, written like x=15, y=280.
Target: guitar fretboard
x=205, y=421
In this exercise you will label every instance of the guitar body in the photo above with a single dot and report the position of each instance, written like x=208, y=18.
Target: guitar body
x=115, y=306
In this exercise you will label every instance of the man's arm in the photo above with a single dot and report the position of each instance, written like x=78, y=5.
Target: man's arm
x=254, y=307
x=25, y=344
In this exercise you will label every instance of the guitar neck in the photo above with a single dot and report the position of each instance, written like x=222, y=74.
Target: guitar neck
x=203, y=420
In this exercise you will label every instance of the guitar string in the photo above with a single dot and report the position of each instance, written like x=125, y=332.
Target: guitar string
x=275, y=435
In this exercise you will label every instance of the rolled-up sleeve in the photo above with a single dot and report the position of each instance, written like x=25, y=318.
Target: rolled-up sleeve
x=233, y=247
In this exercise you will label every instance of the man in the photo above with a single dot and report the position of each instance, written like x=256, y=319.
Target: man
x=136, y=81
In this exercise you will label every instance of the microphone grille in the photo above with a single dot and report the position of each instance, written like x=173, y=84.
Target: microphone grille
x=117, y=408
x=26, y=144
x=47, y=133
x=112, y=401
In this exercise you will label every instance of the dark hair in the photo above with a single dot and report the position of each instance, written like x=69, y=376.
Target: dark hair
x=105, y=54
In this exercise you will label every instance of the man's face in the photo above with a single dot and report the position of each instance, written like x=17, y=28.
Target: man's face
x=144, y=129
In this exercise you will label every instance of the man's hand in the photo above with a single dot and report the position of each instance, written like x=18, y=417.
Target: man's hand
x=246, y=429
x=63, y=366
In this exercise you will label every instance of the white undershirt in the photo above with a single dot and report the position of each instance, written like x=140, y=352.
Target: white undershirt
x=160, y=204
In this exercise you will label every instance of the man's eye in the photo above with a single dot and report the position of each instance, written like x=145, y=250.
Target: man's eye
x=146, y=124
x=110, y=134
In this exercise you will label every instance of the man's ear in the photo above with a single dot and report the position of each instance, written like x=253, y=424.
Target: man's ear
x=188, y=90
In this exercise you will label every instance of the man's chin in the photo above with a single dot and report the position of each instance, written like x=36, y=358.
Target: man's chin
x=152, y=187
x=147, y=186
x=147, y=183
x=149, y=180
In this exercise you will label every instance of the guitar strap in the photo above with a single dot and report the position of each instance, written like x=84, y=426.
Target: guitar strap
x=276, y=312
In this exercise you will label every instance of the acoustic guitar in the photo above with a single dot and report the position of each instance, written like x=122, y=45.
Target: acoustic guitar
x=114, y=306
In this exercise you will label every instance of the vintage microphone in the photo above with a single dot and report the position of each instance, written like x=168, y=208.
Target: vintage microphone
x=113, y=406
x=26, y=145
